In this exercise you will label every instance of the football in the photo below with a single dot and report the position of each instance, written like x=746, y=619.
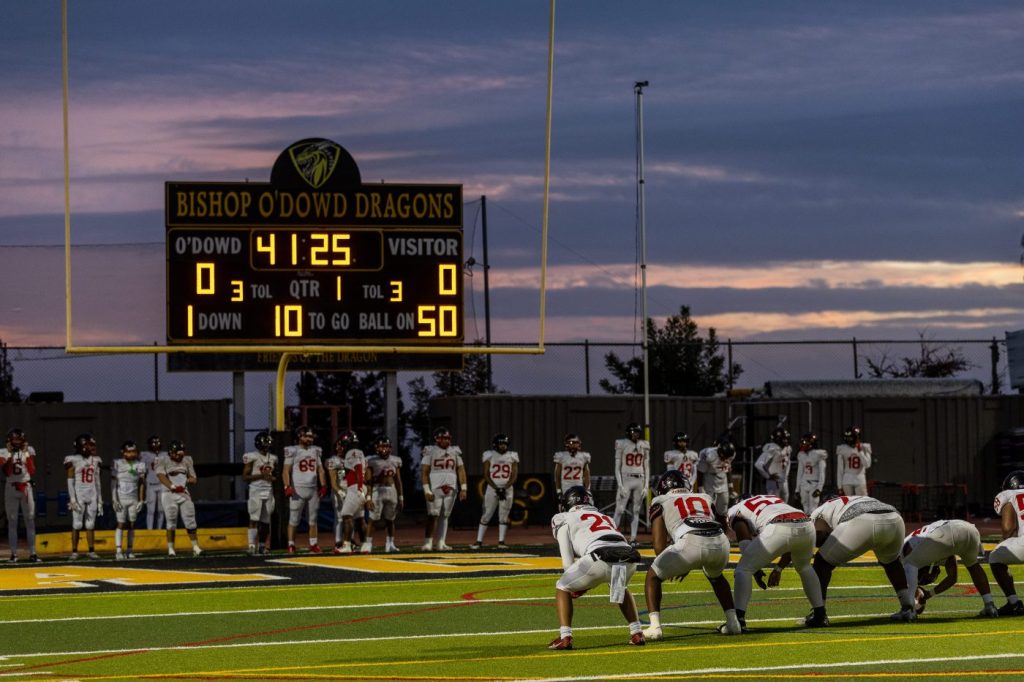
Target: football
x=919, y=601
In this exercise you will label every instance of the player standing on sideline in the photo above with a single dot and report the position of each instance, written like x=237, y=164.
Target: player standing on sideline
x=357, y=498
x=632, y=473
x=84, y=492
x=773, y=464
x=18, y=462
x=127, y=495
x=846, y=528
x=258, y=471
x=572, y=465
x=715, y=464
x=683, y=458
x=686, y=537
x=176, y=472
x=304, y=485
x=1009, y=504
x=149, y=458
x=767, y=528
x=812, y=463
x=443, y=476
x=942, y=542
x=501, y=468
x=593, y=552
x=852, y=461
x=335, y=466
x=385, y=492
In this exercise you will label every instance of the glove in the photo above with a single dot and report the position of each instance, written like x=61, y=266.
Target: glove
x=178, y=489
x=138, y=506
x=118, y=507
x=289, y=491
x=759, y=579
x=75, y=506
x=429, y=494
x=816, y=492
x=775, y=578
x=21, y=487
x=99, y=509
x=502, y=493
x=323, y=491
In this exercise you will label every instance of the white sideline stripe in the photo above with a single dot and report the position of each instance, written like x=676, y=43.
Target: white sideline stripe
x=506, y=633
x=762, y=668
x=190, y=614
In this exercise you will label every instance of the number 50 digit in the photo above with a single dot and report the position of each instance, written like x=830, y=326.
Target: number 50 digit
x=437, y=320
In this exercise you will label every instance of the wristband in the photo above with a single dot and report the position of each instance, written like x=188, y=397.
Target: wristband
x=464, y=487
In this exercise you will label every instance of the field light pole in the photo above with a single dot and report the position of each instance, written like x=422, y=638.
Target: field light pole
x=638, y=88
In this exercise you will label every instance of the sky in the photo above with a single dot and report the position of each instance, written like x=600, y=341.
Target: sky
x=813, y=170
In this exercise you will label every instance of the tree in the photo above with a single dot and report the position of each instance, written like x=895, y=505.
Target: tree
x=680, y=362
x=9, y=393
x=363, y=392
x=932, y=362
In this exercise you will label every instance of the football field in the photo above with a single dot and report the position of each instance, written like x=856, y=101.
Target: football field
x=357, y=623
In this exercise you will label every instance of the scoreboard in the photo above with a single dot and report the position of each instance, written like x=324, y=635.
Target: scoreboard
x=292, y=262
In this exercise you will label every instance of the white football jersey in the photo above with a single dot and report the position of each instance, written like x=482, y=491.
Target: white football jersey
x=811, y=467
x=633, y=458
x=774, y=460
x=384, y=467
x=336, y=468
x=87, y=473
x=304, y=462
x=177, y=473
x=674, y=507
x=852, y=463
x=150, y=459
x=832, y=511
x=758, y=511
x=928, y=533
x=715, y=469
x=444, y=465
x=127, y=476
x=500, y=465
x=686, y=462
x=15, y=464
x=572, y=468
x=1014, y=498
x=588, y=529
x=355, y=463
x=259, y=462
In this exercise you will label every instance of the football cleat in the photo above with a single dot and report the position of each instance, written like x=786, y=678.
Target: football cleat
x=476, y=545
x=346, y=548
x=561, y=643
x=365, y=548
x=119, y=555
x=733, y=625
x=73, y=557
x=131, y=554
x=428, y=546
x=444, y=548
x=14, y=558
x=171, y=552
x=905, y=615
x=196, y=551
x=1009, y=609
x=291, y=549
x=990, y=611
x=390, y=549
x=815, y=620
x=315, y=549
x=502, y=545
x=637, y=639
x=34, y=559
x=652, y=633
x=93, y=554
x=252, y=550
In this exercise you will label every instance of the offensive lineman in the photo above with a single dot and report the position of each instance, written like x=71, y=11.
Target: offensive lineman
x=774, y=463
x=357, y=498
x=386, y=496
x=686, y=536
x=127, y=495
x=768, y=528
x=811, y=464
x=501, y=468
x=176, y=472
x=632, y=472
x=258, y=471
x=940, y=543
x=18, y=462
x=715, y=464
x=593, y=552
x=304, y=485
x=852, y=461
x=154, y=510
x=683, y=458
x=84, y=492
x=572, y=466
x=1009, y=504
x=441, y=470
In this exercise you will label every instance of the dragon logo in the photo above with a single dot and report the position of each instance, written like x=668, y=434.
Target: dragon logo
x=315, y=161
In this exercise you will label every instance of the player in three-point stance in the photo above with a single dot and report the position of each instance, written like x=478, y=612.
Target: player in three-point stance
x=572, y=465
x=385, y=470
x=853, y=458
x=767, y=528
x=84, y=492
x=683, y=458
x=443, y=476
x=357, y=498
x=18, y=462
x=1009, y=504
x=176, y=473
x=149, y=458
x=811, y=465
x=593, y=552
x=258, y=469
x=501, y=468
x=686, y=537
x=774, y=463
x=127, y=495
x=632, y=472
x=939, y=544
x=304, y=485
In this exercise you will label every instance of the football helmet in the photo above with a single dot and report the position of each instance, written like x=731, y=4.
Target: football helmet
x=442, y=432
x=16, y=439
x=726, y=449
x=852, y=435
x=681, y=438
x=382, y=446
x=633, y=429
x=499, y=440
x=780, y=437
x=129, y=450
x=808, y=441
x=264, y=441
x=83, y=441
x=572, y=442
x=154, y=443
x=176, y=450
x=574, y=497
x=347, y=440
x=672, y=479
x=1014, y=480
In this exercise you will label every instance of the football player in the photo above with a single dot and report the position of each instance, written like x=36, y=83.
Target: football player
x=18, y=462
x=686, y=536
x=939, y=544
x=593, y=552
x=847, y=527
x=335, y=467
x=767, y=528
x=1009, y=504
x=149, y=458
x=853, y=458
x=443, y=476
x=632, y=472
x=572, y=465
x=258, y=469
x=176, y=472
x=501, y=467
x=304, y=484
x=357, y=498
x=774, y=462
x=84, y=492
x=127, y=494
x=715, y=464
x=812, y=463
x=683, y=458
x=386, y=496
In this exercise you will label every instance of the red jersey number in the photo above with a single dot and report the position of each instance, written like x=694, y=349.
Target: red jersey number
x=601, y=522
x=689, y=507
x=853, y=462
x=307, y=465
x=634, y=459
x=570, y=473
x=501, y=470
x=759, y=502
